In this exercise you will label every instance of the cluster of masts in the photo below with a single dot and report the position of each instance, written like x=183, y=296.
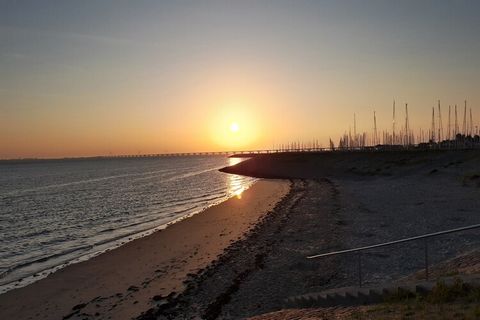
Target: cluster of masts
x=298, y=145
x=403, y=135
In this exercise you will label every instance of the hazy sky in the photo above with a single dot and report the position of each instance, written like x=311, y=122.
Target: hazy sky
x=113, y=77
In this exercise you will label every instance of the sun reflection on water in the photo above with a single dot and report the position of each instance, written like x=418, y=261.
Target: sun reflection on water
x=235, y=182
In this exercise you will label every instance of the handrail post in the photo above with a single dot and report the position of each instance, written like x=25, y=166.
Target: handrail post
x=360, y=269
x=426, y=258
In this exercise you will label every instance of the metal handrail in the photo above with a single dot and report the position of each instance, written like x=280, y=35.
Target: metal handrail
x=384, y=244
x=389, y=243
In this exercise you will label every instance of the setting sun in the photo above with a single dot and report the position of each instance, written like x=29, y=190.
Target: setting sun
x=234, y=127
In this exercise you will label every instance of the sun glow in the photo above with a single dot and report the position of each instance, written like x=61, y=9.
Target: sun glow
x=234, y=127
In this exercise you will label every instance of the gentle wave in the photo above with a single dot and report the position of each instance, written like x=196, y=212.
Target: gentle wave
x=60, y=185
x=50, y=221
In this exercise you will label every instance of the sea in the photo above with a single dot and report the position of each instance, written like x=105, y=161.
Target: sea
x=57, y=212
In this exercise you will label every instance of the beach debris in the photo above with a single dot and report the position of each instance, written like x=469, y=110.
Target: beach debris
x=79, y=306
x=132, y=288
x=158, y=297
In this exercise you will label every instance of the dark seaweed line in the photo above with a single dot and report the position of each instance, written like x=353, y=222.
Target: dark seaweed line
x=172, y=308
x=214, y=309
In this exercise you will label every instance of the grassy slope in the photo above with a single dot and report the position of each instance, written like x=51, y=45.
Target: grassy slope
x=458, y=302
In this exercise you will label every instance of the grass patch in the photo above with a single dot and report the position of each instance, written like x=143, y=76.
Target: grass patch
x=441, y=293
x=456, y=301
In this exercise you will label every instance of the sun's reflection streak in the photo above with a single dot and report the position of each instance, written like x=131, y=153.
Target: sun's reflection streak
x=235, y=182
x=234, y=161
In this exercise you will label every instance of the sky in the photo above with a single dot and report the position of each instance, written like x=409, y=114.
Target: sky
x=84, y=78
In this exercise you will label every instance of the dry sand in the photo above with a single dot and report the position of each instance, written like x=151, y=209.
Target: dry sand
x=124, y=282
x=387, y=196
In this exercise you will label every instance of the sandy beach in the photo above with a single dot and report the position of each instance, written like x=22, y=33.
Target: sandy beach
x=124, y=282
x=243, y=257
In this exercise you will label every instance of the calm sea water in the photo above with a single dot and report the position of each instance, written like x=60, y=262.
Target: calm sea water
x=53, y=213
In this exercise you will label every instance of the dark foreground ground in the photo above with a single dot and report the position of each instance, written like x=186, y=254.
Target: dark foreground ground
x=337, y=201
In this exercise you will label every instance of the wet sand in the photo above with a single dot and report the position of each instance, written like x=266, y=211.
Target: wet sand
x=124, y=282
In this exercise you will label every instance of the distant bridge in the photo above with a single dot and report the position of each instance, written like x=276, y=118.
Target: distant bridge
x=240, y=153
x=251, y=153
